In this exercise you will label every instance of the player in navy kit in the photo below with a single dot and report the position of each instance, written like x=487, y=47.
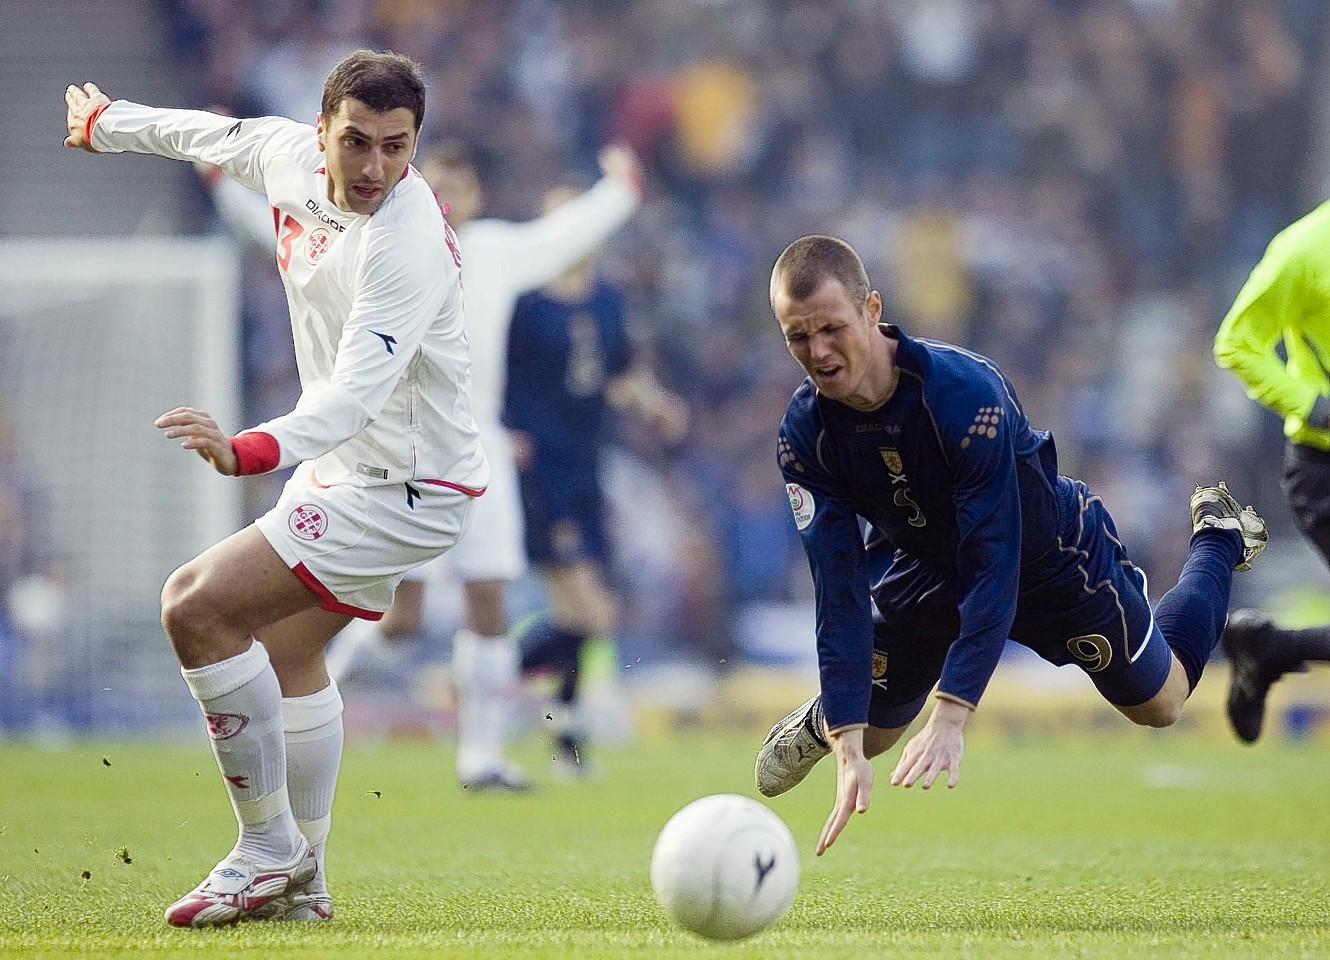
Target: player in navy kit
x=569, y=363
x=972, y=537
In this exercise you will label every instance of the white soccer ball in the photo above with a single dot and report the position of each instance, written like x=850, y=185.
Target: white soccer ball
x=725, y=867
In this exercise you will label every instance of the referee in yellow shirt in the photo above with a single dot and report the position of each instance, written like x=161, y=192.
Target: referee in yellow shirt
x=1286, y=298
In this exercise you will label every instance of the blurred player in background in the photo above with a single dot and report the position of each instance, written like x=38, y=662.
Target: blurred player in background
x=973, y=537
x=1286, y=299
x=569, y=362
x=390, y=462
x=500, y=261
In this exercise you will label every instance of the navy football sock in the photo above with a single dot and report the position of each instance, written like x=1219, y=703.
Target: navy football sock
x=1191, y=616
x=1307, y=643
x=546, y=646
x=816, y=722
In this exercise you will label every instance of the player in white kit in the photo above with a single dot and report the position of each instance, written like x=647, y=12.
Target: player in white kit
x=390, y=462
x=501, y=261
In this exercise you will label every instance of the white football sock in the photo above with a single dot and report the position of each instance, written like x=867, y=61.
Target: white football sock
x=356, y=641
x=242, y=704
x=313, y=727
x=486, y=673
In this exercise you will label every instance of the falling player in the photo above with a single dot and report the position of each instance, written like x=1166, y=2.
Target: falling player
x=973, y=537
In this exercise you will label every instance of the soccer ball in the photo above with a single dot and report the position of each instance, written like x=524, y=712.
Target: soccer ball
x=725, y=867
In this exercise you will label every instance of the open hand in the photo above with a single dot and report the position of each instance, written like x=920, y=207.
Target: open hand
x=202, y=435
x=619, y=160
x=936, y=748
x=854, y=785
x=80, y=102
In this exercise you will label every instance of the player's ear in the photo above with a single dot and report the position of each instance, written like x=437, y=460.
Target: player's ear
x=322, y=129
x=873, y=306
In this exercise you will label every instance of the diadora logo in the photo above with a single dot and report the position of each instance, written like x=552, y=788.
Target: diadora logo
x=985, y=424
x=317, y=245
x=308, y=521
x=388, y=340
x=224, y=726
x=317, y=210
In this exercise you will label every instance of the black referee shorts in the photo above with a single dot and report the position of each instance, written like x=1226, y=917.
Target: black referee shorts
x=1307, y=486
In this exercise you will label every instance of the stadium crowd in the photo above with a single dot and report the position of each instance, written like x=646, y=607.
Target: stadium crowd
x=1075, y=188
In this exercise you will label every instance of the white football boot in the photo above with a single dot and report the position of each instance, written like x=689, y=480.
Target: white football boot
x=789, y=752
x=238, y=887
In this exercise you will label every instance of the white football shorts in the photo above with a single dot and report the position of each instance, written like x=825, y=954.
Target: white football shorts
x=493, y=548
x=352, y=545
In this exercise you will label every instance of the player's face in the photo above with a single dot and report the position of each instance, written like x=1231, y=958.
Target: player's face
x=835, y=340
x=366, y=153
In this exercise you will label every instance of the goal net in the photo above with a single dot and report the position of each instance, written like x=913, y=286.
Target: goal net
x=97, y=338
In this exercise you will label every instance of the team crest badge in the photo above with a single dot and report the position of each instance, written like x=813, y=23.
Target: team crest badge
x=892, y=459
x=317, y=245
x=308, y=521
x=879, y=664
x=224, y=726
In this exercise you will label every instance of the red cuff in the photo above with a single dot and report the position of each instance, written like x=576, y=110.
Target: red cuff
x=92, y=122
x=256, y=452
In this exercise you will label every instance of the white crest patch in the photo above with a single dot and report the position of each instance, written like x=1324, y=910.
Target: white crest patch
x=801, y=502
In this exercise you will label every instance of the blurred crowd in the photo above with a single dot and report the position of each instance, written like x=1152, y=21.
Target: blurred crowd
x=1075, y=188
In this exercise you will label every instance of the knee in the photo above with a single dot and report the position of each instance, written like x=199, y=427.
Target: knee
x=878, y=740
x=192, y=622
x=179, y=602
x=1157, y=714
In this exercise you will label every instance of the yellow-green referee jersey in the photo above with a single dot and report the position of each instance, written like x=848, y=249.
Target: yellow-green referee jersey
x=1287, y=297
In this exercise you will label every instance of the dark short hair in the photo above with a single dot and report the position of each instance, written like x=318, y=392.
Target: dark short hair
x=381, y=81
x=800, y=270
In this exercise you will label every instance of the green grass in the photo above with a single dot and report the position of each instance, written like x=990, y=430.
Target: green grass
x=1140, y=846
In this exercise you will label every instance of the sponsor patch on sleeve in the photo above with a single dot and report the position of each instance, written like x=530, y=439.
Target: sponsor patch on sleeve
x=801, y=502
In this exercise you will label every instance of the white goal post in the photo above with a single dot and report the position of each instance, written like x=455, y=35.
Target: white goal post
x=97, y=338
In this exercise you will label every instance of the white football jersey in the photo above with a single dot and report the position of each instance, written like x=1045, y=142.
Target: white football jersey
x=500, y=262
x=375, y=302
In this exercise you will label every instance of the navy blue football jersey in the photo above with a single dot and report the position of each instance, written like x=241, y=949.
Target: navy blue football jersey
x=562, y=355
x=949, y=471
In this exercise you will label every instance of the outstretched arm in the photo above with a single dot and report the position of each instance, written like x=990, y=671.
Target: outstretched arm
x=539, y=250
x=240, y=147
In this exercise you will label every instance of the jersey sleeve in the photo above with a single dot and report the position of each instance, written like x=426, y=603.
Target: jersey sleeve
x=977, y=436
x=400, y=289
x=242, y=148
x=537, y=251
x=1272, y=302
x=829, y=529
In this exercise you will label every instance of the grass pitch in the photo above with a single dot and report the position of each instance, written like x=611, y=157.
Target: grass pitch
x=1139, y=846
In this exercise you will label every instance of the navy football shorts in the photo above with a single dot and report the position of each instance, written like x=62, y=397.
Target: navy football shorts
x=1089, y=609
x=564, y=517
